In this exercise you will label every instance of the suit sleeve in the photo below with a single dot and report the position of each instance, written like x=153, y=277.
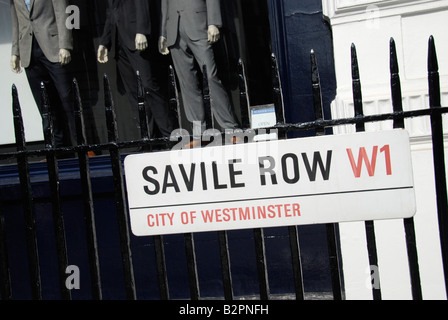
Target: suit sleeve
x=163, y=18
x=65, y=34
x=143, y=17
x=214, y=13
x=106, y=37
x=15, y=31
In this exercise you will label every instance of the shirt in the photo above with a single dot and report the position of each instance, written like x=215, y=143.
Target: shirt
x=28, y=4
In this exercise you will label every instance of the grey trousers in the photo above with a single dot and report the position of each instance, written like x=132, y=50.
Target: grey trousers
x=183, y=53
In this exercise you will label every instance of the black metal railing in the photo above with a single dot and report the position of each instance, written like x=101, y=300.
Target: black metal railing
x=114, y=148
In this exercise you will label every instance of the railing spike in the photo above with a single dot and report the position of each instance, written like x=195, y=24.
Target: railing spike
x=394, y=69
x=278, y=93
x=79, y=118
x=395, y=84
x=433, y=65
x=357, y=92
x=355, y=66
x=18, y=120
x=110, y=112
x=142, y=108
x=317, y=92
x=244, y=100
x=433, y=75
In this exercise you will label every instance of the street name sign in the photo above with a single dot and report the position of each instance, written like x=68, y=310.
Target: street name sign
x=327, y=179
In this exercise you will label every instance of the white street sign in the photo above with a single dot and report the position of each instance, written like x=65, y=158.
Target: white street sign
x=338, y=178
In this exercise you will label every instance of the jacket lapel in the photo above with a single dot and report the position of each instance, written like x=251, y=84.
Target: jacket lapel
x=31, y=5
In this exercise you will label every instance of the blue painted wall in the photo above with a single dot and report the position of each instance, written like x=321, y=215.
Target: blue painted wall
x=297, y=27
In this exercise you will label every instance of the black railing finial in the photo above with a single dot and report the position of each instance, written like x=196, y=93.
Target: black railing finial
x=277, y=91
x=433, y=65
x=79, y=117
x=244, y=99
x=206, y=99
x=18, y=120
x=142, y=108
x=111, y=121
x=397, y=100
x=47, y=117
x=357, y=92
x=317, y=92
x=433, y=75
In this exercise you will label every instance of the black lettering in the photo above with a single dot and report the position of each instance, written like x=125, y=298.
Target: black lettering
x=151, y=180
x=169, y=174
x=215, y=177
x=295, y=162
x=317, y=160
x=189, y=180
x=203, y=176
x=234, y=173
x=264, y=170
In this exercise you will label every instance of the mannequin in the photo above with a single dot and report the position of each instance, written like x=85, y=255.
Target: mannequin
x=127, y=33
x=41, y=44
x=188, y=31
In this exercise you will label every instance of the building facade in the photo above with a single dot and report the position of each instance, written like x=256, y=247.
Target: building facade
x=370, y=24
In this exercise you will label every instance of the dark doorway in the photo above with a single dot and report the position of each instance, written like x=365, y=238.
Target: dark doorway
x=247, y=36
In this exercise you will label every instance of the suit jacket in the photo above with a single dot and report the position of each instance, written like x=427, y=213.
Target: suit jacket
x=46, y=22
x=128, y=17
x=196, y=15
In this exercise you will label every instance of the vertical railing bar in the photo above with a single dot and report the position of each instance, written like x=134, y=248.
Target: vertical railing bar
x=360, y=127
x=119, y=190
x=53, y=176
x=162, y=277
x=86, y=185
x=438, y=154
x=262, y=269
x=193, y=279
x=225, y=265
x=334, y=260
x=294, y=244
x=25, y=183
x=5, y=276
x=411, y=244
x=209, y=119
x=331, y=227
x=244, y=97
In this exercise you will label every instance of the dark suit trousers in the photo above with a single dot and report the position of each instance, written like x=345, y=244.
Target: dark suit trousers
x=157, y=107
x=58, y=81
x=184, y=52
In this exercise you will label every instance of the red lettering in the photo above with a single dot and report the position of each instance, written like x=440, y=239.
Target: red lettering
x=244, y=214
x=362, y=157
x=296, y=209
x=207, y=216
x=218, y=215
x=150, y=223
x=386, y=150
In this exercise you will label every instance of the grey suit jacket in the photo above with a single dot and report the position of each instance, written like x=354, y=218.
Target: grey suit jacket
x=45, y=21
x=197, y=15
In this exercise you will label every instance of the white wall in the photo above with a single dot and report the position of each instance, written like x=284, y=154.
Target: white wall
x=369, y=24
x=31, y=117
